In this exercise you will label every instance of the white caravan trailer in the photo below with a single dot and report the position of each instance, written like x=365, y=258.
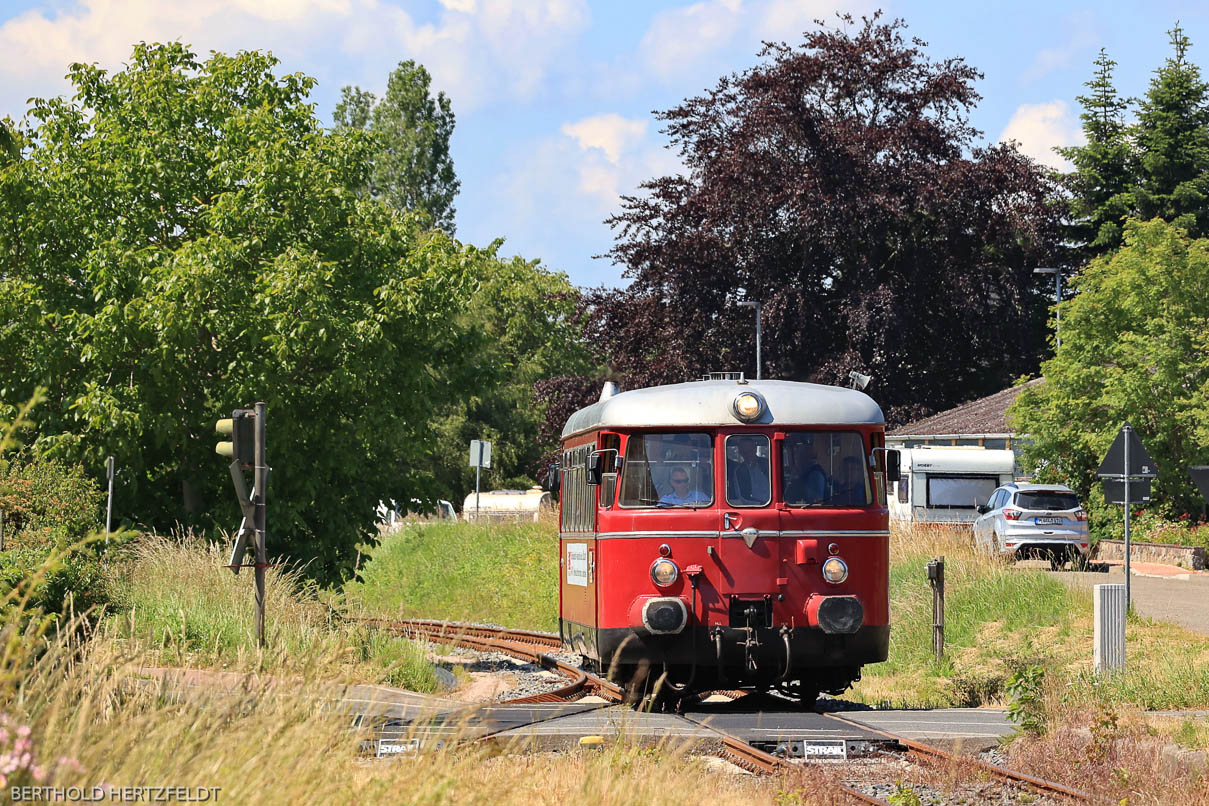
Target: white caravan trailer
x=945, y=484
x=514, y=505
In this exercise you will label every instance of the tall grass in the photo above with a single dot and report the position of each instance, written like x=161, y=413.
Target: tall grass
x=500, y=572
x=74, y=702
x=999, y=620
x=173, y=596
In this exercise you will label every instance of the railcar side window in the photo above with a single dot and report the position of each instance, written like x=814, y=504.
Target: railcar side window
x=747, y=471
x=578, y=499
x=668, y=470
x=610, y=444
x=825, y=469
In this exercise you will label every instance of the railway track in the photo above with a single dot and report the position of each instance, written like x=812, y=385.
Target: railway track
x=532, y=647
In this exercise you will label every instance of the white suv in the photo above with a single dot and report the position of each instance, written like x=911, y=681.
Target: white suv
x=1034, y=520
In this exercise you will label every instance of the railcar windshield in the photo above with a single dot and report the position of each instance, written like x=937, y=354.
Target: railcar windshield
x=824, y=469
x=668, y=470
x=747, y=474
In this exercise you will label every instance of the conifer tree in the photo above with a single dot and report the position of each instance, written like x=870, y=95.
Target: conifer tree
x=1105, y=174
x=1173, y=140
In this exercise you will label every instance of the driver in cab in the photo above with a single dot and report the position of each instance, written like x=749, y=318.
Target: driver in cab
x=682, y=494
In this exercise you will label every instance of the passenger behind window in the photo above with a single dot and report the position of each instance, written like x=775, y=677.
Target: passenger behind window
x=747, y=482
x=804, y=480
x=850, y=488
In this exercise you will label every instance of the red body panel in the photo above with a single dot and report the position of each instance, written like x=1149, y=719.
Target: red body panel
x=782, y=564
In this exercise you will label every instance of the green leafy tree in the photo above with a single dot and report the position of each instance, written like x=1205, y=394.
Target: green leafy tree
x=1135, y=346
x=1173, y=139
x=412, y=166
x=518, y=328
x=1102, y=183
x=183, y=238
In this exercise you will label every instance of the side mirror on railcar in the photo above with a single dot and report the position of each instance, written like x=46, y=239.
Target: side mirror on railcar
x=595, y=469
x=553, y=478
x=893, y=464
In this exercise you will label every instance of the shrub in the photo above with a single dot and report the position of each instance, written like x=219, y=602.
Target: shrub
x=50, y=508
x=46, y=502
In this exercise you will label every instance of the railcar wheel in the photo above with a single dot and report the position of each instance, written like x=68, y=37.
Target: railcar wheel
x=805, y=694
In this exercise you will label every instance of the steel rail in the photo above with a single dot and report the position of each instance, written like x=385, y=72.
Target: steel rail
x=919, y=748
x=453, y=628
x=524, y=645
x=519, y=643
x=756, y=760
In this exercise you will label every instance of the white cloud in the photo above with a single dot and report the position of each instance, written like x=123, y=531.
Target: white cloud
x=684, y=41
x=1038, y=128
x=610, y=133
x=1082, y=35
x=477, y=50
x=612, y=156
x=578, y=177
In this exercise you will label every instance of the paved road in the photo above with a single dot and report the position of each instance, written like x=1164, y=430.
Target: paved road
x=939, y=723
x=1179, y=601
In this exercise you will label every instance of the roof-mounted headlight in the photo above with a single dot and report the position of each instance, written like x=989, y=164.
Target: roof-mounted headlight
x=748, y=406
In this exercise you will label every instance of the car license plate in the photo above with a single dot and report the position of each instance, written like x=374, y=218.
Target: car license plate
x=1048, y=521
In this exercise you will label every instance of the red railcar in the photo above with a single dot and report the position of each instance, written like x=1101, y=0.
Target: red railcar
x=726, y=533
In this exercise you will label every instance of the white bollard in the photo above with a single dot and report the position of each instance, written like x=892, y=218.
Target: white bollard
x=1109, y=655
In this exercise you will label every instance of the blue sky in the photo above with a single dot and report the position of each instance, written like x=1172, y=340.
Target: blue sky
x=553, y=97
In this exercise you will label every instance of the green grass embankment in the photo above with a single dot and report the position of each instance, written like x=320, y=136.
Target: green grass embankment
x=505, y=573
x=177, y=605
x=999, y=619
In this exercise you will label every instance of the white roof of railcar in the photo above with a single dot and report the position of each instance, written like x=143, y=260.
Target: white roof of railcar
x=708, y=403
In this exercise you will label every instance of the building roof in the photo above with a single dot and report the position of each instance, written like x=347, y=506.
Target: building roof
x=708, y=403
x=978, y=417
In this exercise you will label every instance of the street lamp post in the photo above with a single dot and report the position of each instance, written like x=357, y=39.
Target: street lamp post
x=755, y=305
x=1057, y=299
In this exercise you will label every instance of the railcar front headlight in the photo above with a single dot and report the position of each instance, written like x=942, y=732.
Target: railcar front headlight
x=835, y=570
x=664, y=572
x=748, y=406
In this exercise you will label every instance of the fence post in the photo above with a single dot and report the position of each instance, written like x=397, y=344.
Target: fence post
x=936, y=577
x=1109, y=614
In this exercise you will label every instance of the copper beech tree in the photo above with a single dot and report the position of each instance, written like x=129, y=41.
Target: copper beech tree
x=840, y=184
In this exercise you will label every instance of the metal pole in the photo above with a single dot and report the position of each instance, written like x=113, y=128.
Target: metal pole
x=478, y=473
x=1057, y=309
x=1128, y=470
x=759, y=362
x=936, y=577
x=109, y=506
x=261, y=475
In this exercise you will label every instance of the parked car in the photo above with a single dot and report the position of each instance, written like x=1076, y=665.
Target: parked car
x=391, y=516
x=1034, y=520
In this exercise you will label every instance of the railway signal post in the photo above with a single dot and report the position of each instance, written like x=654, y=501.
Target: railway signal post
x=1128, y=461
x=246, y=450
x=480, y=457
x=936, y=577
